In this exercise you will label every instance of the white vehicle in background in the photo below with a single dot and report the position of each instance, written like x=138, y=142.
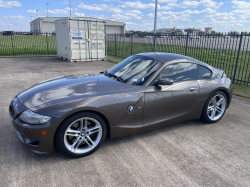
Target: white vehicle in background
x=165, y=36
x=195, y=37
x=148, y=37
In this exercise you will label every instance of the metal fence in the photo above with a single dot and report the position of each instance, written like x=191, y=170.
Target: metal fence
x=26, y=43
x=231, y=53
x=228, y=52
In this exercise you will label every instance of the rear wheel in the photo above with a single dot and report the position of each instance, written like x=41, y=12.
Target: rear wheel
x=81, y=134
x=215, y=107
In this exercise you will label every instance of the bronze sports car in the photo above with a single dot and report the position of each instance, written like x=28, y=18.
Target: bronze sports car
x=143, y=92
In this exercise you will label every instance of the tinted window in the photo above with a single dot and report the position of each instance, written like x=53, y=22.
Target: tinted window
x=135, y=70
x=180, y=72
x=203, y=72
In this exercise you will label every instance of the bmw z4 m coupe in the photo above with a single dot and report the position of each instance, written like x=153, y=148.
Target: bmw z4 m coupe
x=141, y=93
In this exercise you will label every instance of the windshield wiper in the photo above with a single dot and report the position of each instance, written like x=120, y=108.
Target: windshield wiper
x=118, y=78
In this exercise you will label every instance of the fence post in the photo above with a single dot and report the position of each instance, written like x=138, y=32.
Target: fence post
x=131, y=45
x=12, y=45
x=47, y=43
x=115, y=45
x=238, y=55
x=186, y=44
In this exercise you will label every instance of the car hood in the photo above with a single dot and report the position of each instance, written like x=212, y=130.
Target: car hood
x=63, y=89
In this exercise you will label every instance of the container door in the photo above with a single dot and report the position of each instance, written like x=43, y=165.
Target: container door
x=79, y=40
x=97, y=40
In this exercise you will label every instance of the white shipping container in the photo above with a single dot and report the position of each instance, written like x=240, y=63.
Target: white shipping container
x=81, y=39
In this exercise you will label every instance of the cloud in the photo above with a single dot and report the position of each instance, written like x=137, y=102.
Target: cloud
x=138, y=5
x=31, y=11
x=231, y=23
x=193, y=4
x=221, y=16
x=242, y=8
x=95, y=7
x=166, y=1
x=181, y=17
x=112, y=0
x=152, y=15
x=134, y=11
x=79, y=14
x=65, y=2
x=58, y=11
x=115, y=10
x=241, y=4
x=120, y=17
x=67, y=8
x=198, y=20
x=203, y=3
x=9, y=4
x=187, y=12
x=18, y=23
x=101, y=7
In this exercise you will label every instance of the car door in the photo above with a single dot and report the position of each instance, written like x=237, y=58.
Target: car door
x=163, y=103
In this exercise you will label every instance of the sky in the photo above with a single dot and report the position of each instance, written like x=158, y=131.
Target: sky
x=221, y=15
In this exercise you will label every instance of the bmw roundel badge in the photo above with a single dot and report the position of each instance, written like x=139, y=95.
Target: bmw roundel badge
x=130, y=108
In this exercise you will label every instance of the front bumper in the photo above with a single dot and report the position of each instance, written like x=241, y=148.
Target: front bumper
x=30, y=135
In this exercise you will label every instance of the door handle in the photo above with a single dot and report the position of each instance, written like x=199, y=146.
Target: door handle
x=193, y=89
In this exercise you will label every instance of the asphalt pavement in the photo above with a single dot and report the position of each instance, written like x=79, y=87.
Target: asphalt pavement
x=186, y=154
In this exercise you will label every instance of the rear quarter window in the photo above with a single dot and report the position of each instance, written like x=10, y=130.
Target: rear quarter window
x=203, y=72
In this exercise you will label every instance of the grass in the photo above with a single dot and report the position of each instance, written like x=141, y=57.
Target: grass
x=27, y=45
x=241, y=90
x=114, y=59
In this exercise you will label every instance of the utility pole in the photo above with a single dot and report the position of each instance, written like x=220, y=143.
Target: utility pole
x=47, y=15
x=155, y=23
x=70, y=7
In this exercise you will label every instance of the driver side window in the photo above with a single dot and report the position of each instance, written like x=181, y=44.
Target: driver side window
x=179, y=72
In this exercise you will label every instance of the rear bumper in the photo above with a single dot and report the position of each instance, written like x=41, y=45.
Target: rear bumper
x=230, y=93
x=30, y=135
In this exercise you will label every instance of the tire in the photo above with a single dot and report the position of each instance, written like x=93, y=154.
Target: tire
x=76, y=143
x=214, y=112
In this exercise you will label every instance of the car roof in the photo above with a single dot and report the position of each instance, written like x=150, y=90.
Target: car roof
x=169, y=57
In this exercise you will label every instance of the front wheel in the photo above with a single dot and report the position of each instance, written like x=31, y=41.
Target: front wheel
x=81, y=134
x=215, y=107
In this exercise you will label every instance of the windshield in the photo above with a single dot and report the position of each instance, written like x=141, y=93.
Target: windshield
x=135, y=70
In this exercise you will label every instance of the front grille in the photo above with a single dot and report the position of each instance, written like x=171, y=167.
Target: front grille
x=11, y=112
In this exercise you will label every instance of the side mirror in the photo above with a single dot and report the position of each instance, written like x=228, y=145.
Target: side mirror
x=164, y=81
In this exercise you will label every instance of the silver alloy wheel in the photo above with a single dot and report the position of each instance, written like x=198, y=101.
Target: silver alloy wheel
x=216, y=107
x=83, y=135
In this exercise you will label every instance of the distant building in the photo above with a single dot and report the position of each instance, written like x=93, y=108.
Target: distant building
x=166, y=31
x=192, y=30
x=208, y=30
x=128, y=33
x=40, y=25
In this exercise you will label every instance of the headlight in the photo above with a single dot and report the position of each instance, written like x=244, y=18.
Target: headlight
x=32, y=118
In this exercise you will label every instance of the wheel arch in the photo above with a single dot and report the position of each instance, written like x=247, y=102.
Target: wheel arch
x=226, y=93
x=92, y=111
